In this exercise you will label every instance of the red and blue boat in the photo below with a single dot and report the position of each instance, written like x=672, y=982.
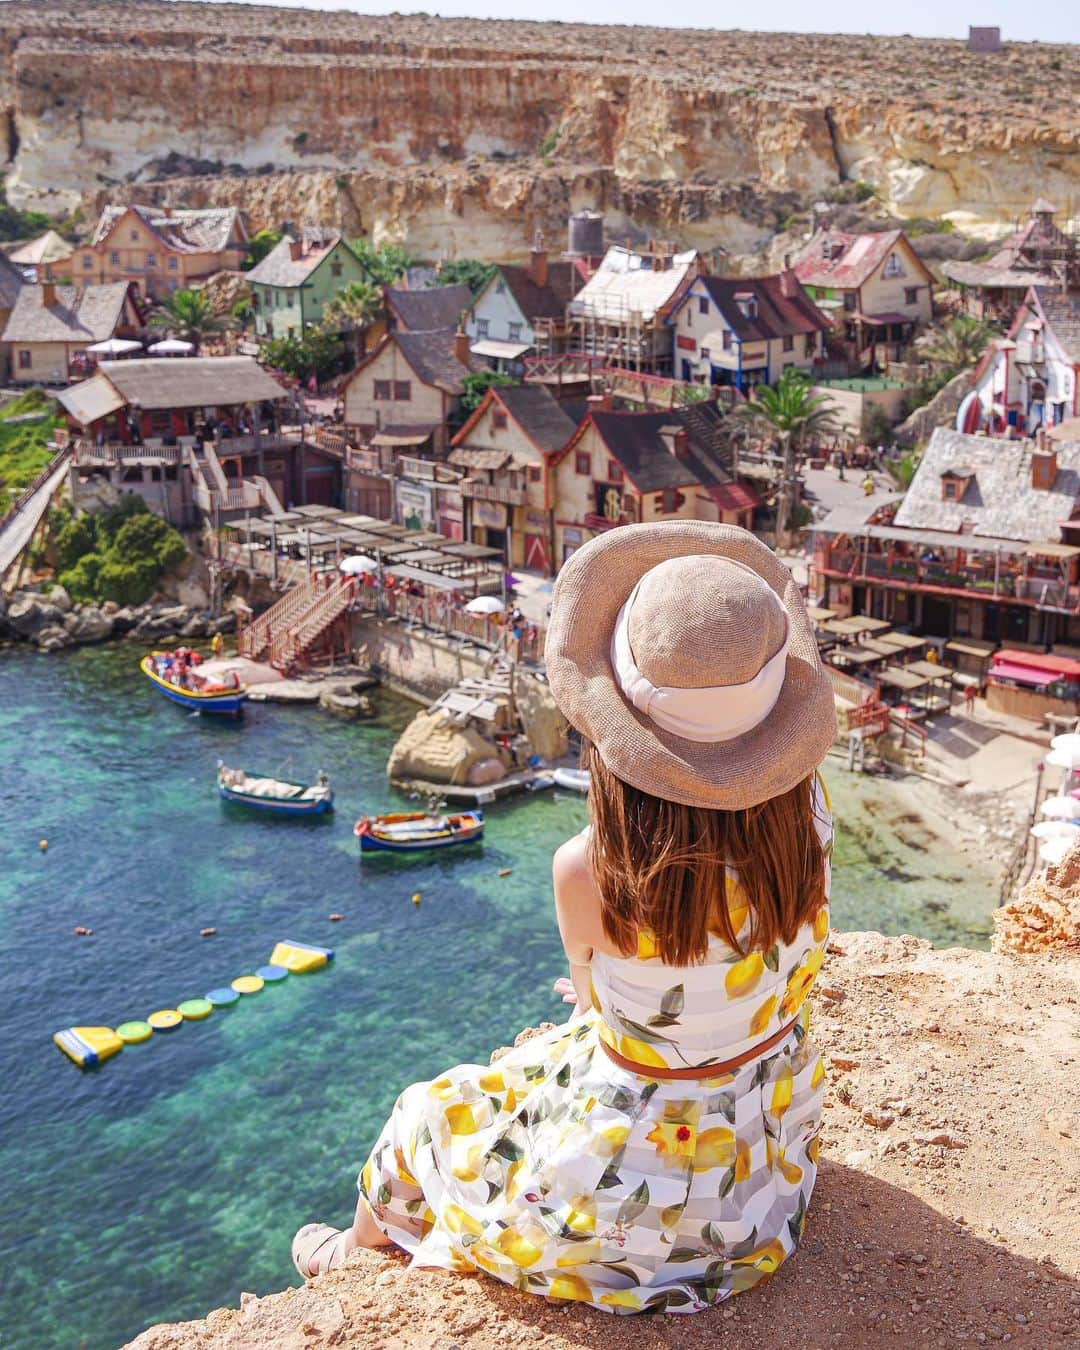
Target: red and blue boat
x=417, y=831
x=176, y=676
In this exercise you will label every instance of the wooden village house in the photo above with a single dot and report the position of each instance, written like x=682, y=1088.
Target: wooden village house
x=744, y=331
x=622, y=468
x=1037, y=254
x=292, y=285
x=426, y=309
x=523, y=307
x=160, y=249
x=506, y=451
x=50, y=328
x=11, y=283
x=1031, y=377
x=875, y=287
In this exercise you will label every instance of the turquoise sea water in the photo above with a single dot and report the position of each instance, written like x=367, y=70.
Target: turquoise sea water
x=171, y=1179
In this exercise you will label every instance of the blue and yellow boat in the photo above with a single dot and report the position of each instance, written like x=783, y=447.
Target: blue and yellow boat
x=410, y=832
x=197, y=692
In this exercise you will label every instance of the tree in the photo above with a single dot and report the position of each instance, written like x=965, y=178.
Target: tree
x=789, y=415
x=475, y=386
x=957, y=344
x=353, y=308
x=259, y=245
x=188, y=314
x=471, y=271
x=118, y=555
x=384, y=265
x=317, y=353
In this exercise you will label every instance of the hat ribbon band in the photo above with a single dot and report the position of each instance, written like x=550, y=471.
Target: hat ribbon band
x=718, y=713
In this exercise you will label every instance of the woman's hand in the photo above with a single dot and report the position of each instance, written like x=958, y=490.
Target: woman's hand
x=564, y=987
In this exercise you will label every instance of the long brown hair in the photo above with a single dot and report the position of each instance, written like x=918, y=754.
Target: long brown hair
x=662, y=866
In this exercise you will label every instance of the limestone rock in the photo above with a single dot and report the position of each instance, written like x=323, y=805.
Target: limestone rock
x=541, y=719
x=193, y=594
x=224, y=623
x=341, y=701
x=28, y=614
x=434, y=749
x=52, y=638
x=88, y=624
x=196, y=627
x=59, y=597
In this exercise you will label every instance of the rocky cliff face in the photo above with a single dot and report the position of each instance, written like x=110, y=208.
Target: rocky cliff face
x=465, y=136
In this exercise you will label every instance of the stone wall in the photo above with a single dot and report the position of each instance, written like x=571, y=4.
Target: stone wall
x=413, y=662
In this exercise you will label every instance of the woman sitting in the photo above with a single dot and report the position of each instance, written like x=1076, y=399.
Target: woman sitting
x=659, y=1150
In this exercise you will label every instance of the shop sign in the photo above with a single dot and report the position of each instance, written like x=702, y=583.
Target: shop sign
x=414, y=506
x=492, y=515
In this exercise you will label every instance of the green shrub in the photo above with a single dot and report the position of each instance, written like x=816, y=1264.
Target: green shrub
x=81, y=580
x=148, y=538
x=550, y=141
x=118, y=555
x=128, y=583
x=74, y=541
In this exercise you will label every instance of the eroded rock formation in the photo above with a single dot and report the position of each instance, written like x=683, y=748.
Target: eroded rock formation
x=464, y=136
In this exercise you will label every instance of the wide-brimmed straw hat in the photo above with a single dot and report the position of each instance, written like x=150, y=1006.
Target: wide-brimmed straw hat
x=683, y=651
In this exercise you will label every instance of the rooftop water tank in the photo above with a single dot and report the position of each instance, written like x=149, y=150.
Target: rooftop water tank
x=586, y=234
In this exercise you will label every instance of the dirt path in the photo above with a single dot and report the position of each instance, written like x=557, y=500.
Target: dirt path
x=947, y=1209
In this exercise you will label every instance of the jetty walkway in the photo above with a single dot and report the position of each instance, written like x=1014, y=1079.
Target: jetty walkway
x=18, y=525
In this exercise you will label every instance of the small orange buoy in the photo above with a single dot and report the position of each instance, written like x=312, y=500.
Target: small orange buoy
x=416, y=898
x=208, y=932
x=505, y=871
x=43, y=844
x=83, y=932
x=336, y=918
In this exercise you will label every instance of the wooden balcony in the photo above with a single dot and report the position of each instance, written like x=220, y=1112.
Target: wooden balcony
x=491, y=492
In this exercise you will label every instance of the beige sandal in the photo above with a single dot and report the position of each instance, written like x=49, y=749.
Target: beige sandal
x=311, y=1240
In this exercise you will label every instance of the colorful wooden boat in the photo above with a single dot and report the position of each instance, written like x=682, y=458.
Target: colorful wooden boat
x=275, y=794
x=408, y=832
x=201, y=695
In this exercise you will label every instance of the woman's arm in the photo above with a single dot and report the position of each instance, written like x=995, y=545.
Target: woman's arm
x=577, y=906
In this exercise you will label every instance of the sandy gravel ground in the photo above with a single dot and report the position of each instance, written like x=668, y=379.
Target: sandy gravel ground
x=947, y=1209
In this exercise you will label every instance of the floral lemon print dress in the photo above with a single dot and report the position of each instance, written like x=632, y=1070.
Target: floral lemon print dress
x=566, y=1175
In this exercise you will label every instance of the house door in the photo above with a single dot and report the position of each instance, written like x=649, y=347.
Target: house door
x=936, y=616
x=536, y=557
x=687, y=372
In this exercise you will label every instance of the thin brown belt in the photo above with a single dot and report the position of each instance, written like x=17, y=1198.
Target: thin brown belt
x=706, y=1070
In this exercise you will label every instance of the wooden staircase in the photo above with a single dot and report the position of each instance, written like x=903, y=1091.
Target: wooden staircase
x=291, y=641
x=257, y=637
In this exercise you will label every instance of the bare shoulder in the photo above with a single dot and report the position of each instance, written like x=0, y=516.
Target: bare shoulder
x=570, y=866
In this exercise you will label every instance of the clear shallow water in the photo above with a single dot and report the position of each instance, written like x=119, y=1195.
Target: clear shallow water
x=173, y=1178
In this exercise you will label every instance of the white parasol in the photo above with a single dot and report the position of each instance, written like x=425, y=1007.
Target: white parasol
x=1061, y=808
x=357, y=563
x=1056, y=829
x=485, y=604
x=171, y=347
x=1052, y=851
x=1064, y=757
x=114, y=347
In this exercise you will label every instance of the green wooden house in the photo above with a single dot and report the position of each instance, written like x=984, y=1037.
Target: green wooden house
x=296, y=279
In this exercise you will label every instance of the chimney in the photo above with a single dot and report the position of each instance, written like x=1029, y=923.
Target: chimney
x=296, y=249
x=48, y=294
x=168, y=212
x=676, y=439
x=1043, y=467
x=538, y=262
x=461, y=346
x=787, y=281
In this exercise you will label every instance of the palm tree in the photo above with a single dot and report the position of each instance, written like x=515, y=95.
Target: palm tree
x=354, y=307
x=957, y=344
x=188, y=315
x=789, y=415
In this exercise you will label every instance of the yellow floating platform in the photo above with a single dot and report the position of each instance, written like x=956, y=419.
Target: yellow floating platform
x=247, y=984
x=300, y=957
x=88, y=1046
x=165, y=1019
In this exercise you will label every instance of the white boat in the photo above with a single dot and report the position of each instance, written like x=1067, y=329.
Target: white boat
x=577, y=780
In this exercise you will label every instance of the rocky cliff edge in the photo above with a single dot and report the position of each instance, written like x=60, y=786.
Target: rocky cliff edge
x=947, y=1207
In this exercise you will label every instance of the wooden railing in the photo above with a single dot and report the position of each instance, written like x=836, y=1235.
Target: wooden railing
x=333, y=596
x=43, y=477
x=256, y=637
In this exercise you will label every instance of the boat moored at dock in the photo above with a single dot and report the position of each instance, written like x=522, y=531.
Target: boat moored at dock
x=409, y=832
x=176, y=676
x=278, y=795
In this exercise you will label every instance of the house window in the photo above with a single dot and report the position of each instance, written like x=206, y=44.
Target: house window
x=668, y=501
x=515, y=332
x=893, y=266
x=172, y=264
x=482, y=327
x=114, y=258
x=134, y=236
x=703, y=304
x=382, y=391
x=173, y=283
x=949, y=491
x=614, y=471
x=811, y=344
x=583, y=463
x=704, y=353
x=335, y=267
x=268, y=296
x=498, y=418
x=88, y=260
x=402, y=391
x=911, y=295
x=727, y=339
x=689, y=317
x=24, y=360
x=849, y=301
x=151, y=260
x=500, y=288
x=789, y=343
x=536, y=473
